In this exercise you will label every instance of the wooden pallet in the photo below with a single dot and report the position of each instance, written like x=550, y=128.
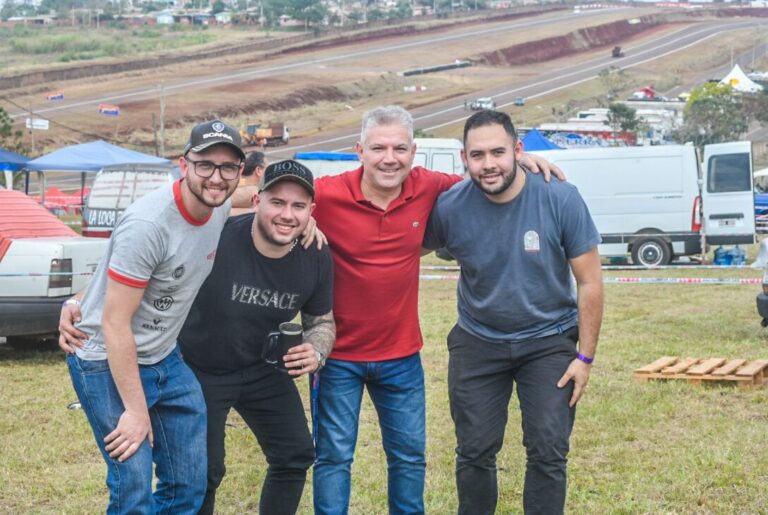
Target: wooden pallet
x=744, y=374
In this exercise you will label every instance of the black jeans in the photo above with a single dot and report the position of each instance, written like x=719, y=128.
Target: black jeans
x=269, y=402
x=481, y=375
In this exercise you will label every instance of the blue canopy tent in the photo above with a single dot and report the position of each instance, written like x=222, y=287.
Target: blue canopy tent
x=90, y=157
x=10, y=162
x=84, y=158
x=534, y=140
x=327, y=156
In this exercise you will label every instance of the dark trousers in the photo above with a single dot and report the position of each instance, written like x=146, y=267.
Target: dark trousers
x=481, y=376
x=269, y=402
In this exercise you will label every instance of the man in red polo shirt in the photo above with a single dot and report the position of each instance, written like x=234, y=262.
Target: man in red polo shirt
x=374, y=218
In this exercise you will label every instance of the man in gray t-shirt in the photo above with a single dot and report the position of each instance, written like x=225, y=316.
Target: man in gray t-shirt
x=143, y=403
x=518, y=240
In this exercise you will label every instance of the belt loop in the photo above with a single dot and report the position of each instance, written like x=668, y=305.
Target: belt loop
x=559, y=329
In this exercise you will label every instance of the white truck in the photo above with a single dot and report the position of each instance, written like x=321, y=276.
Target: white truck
x=42, y=263
x=654, y=203
x=440, y=154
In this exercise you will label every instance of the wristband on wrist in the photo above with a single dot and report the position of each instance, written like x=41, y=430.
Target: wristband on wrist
x=585, y=359
x=71, y=302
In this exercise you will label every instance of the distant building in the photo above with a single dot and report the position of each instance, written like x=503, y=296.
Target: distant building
x=164, y=18
x=27, y=3
x=28, y=20
x=223, y=18
x=287, y=21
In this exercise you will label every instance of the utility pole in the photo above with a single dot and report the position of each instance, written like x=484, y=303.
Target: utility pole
x=162, y=119
x=154, y=132
x=32, y=128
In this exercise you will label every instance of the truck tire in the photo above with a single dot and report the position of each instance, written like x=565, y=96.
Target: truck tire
x=651, y=251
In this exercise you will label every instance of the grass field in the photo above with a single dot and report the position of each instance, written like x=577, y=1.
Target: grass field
x=23, y=48
x=636, y=448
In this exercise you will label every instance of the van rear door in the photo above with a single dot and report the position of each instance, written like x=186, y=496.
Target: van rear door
x=727, y=196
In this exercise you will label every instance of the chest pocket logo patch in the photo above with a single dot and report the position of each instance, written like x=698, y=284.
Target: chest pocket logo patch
x=531, y=241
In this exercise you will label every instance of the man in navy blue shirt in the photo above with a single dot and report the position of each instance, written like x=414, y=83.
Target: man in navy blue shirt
x=518, y=240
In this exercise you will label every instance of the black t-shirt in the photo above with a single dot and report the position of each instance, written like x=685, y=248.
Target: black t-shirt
x=247, y=295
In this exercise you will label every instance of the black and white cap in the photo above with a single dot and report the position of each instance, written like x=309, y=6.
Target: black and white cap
x=288, y=170
x=216, y=132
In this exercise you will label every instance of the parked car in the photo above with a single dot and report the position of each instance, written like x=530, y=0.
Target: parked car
x=42, y=263
x=479, y=104
x=519, y=101
x=115, y=188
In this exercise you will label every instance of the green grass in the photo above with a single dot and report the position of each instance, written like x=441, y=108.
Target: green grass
x=25, y=47
x=636, y=448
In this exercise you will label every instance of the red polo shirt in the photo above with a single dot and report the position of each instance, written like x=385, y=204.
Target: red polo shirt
x=376, y=262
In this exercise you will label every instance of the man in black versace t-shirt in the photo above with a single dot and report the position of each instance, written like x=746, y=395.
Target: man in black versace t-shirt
x=261, y=278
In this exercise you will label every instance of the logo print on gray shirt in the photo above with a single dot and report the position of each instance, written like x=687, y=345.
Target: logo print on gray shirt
x=163, y=303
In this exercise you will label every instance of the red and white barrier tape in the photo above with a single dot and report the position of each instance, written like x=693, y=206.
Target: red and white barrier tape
x=644, y=280
x=43, y=274
x=631, y=267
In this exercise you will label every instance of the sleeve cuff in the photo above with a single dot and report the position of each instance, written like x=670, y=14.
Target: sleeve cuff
x=128, y=281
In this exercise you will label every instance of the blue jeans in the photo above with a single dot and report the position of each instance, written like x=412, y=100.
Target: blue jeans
x=396, y=388
x=177, y=412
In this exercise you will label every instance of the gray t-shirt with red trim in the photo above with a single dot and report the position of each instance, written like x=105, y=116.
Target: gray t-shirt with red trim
x=156, y=245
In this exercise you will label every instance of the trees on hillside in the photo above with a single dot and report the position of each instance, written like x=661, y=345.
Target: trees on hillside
x=622, y=118
x=10, y=139
x=614, y=80
x=311, y=12
x=713, y=114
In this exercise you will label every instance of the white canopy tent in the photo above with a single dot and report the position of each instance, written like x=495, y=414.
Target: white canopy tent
x=737, y=79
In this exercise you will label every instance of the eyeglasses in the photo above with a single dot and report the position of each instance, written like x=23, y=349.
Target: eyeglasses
x=205, y=169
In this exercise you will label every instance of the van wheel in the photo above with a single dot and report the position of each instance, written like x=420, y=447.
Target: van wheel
x=650, y=252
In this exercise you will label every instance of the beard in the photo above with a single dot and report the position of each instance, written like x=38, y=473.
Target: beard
x=197, y=191
x=508, y=179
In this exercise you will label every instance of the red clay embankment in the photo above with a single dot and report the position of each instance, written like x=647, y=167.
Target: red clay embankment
x=571, y=43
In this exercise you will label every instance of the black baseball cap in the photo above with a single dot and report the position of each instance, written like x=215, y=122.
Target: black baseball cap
x=216, y=132
x=288, y=170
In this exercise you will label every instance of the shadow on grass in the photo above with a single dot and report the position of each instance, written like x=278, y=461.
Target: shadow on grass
x=42, y=351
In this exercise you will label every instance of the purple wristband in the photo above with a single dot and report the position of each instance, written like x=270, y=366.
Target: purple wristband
x=585, y=359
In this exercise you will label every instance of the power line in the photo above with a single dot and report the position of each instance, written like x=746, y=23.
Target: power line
x=62, y=125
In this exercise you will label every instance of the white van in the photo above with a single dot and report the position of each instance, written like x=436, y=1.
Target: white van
x=656, y=202
x=440, y=154
x=115, y=188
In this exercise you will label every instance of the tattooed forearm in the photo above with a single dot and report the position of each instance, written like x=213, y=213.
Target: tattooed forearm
x=320, y=331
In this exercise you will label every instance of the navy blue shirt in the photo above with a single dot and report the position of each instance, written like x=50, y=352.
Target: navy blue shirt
x=515, y=279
